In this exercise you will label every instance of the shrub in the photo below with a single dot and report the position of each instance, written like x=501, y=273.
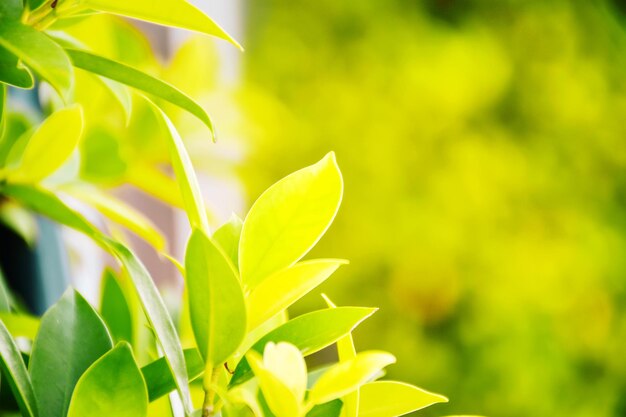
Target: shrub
x=248, y=356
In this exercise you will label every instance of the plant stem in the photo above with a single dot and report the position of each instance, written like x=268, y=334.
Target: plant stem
x=208, y=381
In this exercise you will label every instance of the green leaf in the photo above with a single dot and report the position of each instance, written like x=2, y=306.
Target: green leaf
x=121, y=94
x=185, y=175
x=216, y=303
x=112, y=386
x=346, y=351
x=344, y=377
x=309, y=332
x=329, y=409
x=71, y=337
x=5, y=296
x=14, y=369
x=10, y=10
x=21, y=325
x=175, y=13
x=50, y=146
x=280, y=399
x=158, y=317
x=119, y=212
x=43, y=202
x=288, y=219
x=12, y=72
x=40, y=54
x=137, y=79
x=393, y=399
x=115, y=309
x=285, y=287
x=34, y=4
x=47, y=204
x=159, y=378
x=227, y=236
x=15, y=125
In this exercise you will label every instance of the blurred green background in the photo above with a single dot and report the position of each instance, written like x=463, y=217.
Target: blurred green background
x=483, y=145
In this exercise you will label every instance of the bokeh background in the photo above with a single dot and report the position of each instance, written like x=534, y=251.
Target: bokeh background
x=483, y=146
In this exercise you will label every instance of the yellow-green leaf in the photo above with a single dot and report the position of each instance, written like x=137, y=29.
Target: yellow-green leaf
x=51, y=206
x=310, y=332
x=112, y=386
x=175, y=13
x=120, y=212
x=285, y=287
x=140, y=80
x=280, y=399
x=20, y=325
x=288, y=219
x=50, y=146
x=185, y=176
x=346, y=351
x=344, y=377
x=227, y=236
x=39, y=53
x=217, y=307
x=393, y=399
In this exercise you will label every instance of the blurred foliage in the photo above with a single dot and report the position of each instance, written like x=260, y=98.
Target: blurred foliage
x=483, y=147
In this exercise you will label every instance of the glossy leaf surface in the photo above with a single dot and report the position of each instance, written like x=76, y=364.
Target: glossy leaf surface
x=393, y=399
x=71, y=337
x=344, y=377
x=310, y=332
x=112, y=386
x=218, y=311
x=39, y=53
x=288, y=219
x=175, y=13
x=47, y=204
x=285, y=287
x=16, y=374
x=185, y=175
x=159, y=378
x=114, y=308
x=137, y=79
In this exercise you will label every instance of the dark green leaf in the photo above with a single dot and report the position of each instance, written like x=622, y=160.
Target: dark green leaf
x=12, y=73
x=5, y=297
x=114, y=308
x=17, y=377
x=71, y=337
x=47, y=204
x=159, y=378
x=329, y=409
x=11, y=9
x=139, y=80
x=34, y=4
x=309, y=332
